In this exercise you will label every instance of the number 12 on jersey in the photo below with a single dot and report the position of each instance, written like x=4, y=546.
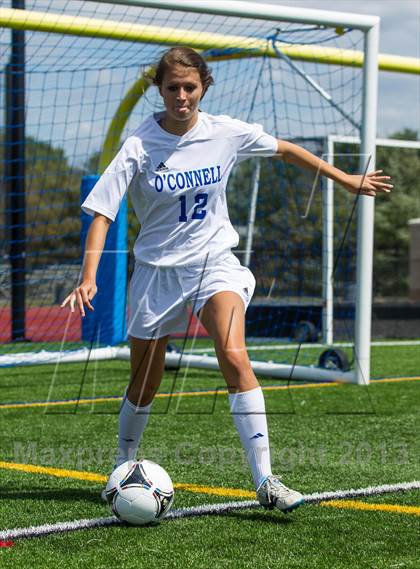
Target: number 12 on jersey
x=199, y=211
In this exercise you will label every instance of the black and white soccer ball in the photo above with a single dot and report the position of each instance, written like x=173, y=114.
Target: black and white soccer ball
x=140, y=492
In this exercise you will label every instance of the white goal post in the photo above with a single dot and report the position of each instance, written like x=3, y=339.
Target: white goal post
x=329, y=155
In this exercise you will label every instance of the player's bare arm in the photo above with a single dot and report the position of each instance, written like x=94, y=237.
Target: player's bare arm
x=85, y=292
x=367, y=185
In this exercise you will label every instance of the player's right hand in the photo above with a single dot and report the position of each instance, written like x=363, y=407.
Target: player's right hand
x=82, y=295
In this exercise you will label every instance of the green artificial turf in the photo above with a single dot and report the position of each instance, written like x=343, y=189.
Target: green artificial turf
x=322, y=438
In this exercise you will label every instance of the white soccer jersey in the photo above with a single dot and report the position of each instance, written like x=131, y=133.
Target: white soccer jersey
x=178, y=186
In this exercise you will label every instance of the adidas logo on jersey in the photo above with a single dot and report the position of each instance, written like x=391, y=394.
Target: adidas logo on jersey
x=162, y=167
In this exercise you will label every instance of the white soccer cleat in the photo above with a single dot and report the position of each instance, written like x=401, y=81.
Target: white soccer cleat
x=272, y=493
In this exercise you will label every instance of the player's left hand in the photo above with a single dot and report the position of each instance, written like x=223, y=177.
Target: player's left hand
x=368, y=185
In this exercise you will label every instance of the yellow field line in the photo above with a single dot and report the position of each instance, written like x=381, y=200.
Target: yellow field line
x=211, y=490
x=59, y=472
x=94, y=477
x=356, y=505
x=216, y=491
x=395, y=379
x=58, y=403
x=191, y=393
x=158, y=395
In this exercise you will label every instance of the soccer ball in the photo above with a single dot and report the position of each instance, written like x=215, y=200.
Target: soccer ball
x=140, y=492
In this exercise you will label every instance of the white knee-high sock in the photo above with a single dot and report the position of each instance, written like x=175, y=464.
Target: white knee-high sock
x=132, y=423
x=248, y=412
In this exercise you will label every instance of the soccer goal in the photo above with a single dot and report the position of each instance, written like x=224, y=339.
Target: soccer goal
x=75, y=80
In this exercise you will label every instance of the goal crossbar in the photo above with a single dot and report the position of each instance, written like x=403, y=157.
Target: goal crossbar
x=245, y=46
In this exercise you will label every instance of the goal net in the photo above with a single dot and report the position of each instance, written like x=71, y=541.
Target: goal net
x=77, y=73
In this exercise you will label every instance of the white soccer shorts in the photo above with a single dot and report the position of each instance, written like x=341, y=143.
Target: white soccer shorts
x=159, y=296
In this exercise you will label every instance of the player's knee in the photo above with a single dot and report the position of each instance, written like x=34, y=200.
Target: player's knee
x=141, y=395
x=237, y=360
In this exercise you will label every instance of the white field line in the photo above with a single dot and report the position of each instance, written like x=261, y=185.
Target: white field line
x=309, y=346
x=205, y=510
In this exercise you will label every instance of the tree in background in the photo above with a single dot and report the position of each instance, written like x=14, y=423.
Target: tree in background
x=52, y=189
x=391, y=256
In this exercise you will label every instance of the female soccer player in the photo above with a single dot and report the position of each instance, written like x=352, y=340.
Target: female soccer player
x=177, y=164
